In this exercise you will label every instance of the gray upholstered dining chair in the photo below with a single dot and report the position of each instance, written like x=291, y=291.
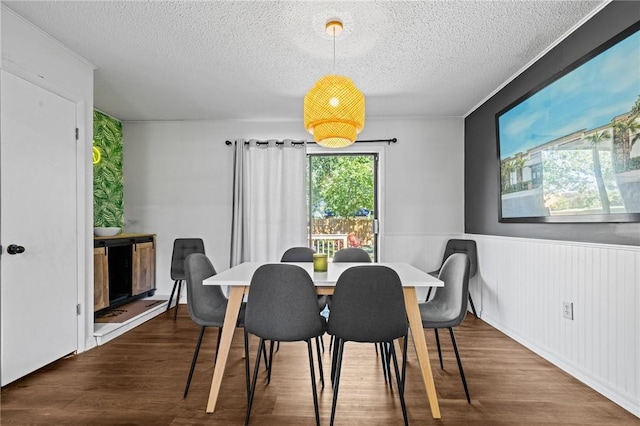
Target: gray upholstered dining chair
x=467, y=247
x=360, y=291
x=298, y=254
x=448, y=307
x=207, y=303
x=282, y=306
x=351, y=254
x=182, y=247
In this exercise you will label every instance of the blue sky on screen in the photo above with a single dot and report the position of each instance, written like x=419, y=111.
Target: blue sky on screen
x=588, y=97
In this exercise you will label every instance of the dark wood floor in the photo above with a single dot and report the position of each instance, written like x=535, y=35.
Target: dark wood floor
x=138, y=379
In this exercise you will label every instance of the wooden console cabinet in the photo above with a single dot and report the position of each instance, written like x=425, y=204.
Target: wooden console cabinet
x=123, y=269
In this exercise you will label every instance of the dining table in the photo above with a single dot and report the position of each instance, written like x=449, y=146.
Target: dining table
x=238, y=280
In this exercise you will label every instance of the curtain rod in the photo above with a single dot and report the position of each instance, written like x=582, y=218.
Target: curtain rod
x=388, y=141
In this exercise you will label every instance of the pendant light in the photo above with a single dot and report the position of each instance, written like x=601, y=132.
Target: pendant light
x=334, y=107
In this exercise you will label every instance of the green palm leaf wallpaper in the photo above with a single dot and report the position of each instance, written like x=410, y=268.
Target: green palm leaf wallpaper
x=108, y=196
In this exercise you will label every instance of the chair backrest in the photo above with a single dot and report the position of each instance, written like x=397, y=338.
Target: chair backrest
x=351, y=254
x=282, y=304
x=451, y=300
x=298, y=254
x=368, y=305
x=183, y=247
x=467, y=247
x=207, y=303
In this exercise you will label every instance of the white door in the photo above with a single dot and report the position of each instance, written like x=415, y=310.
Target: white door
x=37, y=214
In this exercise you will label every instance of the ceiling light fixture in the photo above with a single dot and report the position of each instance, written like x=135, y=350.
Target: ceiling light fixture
x=334, y=107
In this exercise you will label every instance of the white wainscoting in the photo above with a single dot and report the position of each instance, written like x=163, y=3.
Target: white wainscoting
x=522, y=283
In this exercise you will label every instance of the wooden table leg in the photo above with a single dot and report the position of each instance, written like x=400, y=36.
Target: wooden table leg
x=230, y=319
x=417, y=332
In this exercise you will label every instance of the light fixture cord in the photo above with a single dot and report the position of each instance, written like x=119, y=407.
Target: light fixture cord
x=334, y=49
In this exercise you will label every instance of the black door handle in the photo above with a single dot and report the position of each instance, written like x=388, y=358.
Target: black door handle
x=15, y=249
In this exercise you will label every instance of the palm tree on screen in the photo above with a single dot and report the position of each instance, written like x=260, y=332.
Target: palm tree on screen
x=595, y=139
x=626, y=132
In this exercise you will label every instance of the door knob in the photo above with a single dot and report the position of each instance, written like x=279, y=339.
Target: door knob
x=15, y=249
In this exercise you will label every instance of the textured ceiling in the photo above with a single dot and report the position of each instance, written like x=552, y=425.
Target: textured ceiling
x=169, y=60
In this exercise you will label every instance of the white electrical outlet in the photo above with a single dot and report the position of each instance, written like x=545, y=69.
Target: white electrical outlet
x=567, y=310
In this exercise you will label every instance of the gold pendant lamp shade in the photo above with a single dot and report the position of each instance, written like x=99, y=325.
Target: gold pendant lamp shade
x=334, y=111
x=334, y=107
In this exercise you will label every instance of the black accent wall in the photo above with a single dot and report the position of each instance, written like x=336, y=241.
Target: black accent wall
x=481, y=155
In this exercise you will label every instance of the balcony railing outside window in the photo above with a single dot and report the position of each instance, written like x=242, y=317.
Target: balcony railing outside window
x=328, y=243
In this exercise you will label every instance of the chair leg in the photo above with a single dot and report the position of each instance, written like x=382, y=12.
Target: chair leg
x=334, y=360
x=340, y=346
x=318, y=339
x=175, y=314
x=269, y=363
x=313, y=379
x=193, y=362
x=173, y=290
x=384, y=346
x=435, y=330
x=473, y=308
x=428, y=294
x=255, y=379
x=246, y=363
x=400, y=383
x=387, y=345
x=404, y=358
x=382, y=360
x=455, y=348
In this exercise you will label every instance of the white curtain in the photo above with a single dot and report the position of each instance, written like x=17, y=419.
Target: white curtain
x=269, y=200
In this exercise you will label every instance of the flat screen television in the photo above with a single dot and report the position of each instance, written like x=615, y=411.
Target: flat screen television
x=569, y=150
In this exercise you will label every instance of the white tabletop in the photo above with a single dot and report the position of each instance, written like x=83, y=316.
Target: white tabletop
x=240, y=275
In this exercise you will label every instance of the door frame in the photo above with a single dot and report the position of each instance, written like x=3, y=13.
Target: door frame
x=365, y=148
x=83, y=208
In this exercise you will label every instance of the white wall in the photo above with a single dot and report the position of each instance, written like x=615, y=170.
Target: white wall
x=520, y=287
x=34, y=56
x=178, y=178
